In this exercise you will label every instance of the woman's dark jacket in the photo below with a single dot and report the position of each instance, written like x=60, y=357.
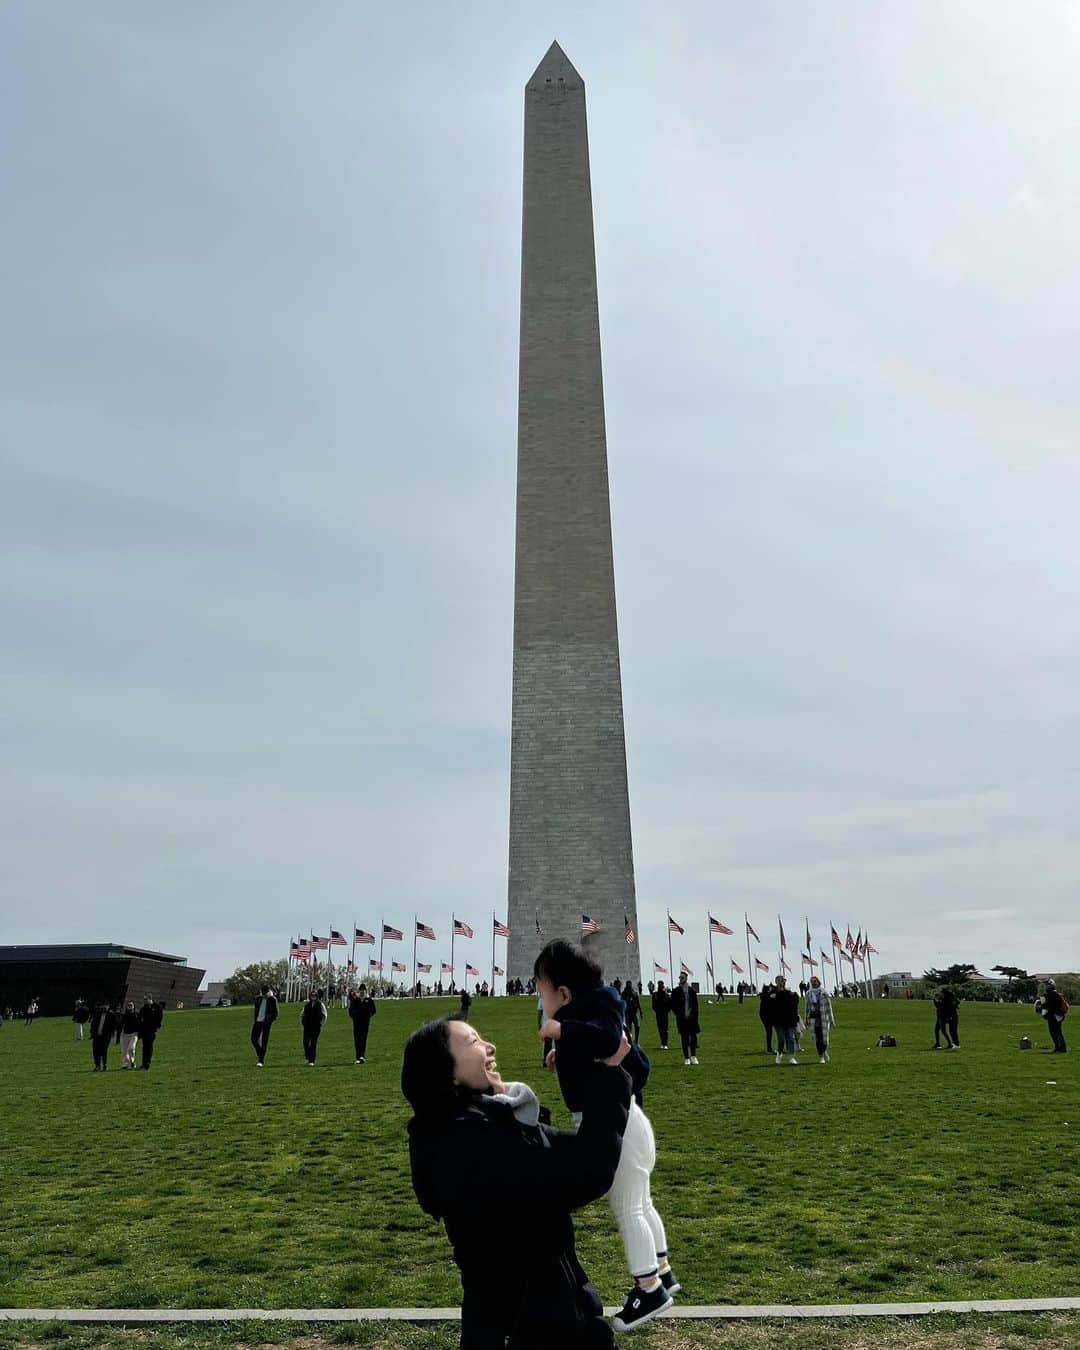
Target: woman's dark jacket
x=785, y=1008
x=661, y=1002
x=765, y=1005
x=521, y=1279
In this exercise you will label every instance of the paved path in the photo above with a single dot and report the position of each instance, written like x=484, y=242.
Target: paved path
x=717, y=1312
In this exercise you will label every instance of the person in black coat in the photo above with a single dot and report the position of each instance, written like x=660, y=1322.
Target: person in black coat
x=632, y=1000
x=312, y=1020
x=151, y=1016
x=266, y=1011
x=103, y=1025
x=361, y=1010
x=765, y=1012
x=1054, y=1009
x=785, y=1013
x=684, y=1004
x=661, y=1006
x=466, y=1002
x=523, y=1287
x=80, y=1017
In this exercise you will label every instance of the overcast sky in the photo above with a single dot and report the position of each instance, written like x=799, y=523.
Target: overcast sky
x=258, y=420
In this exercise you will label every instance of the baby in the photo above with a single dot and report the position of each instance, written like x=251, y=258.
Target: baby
x=585, y=1019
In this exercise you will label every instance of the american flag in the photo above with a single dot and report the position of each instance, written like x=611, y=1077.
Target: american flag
x=303, y=954
x=858, y=950
x=501, y=929
x=867, y=947
x=446, y=968
x=673, y=927
x=424, y=931
x=783, y=939
x=750, y=930
x=498, y=970
x=422, y=967
x=708, y=968
x=461, y=929
x=294, y=950
x=837, y=940
x=374, y=965
x=471, y=970
x=588, y=925
x=849, y=941
x=659, y=969
x=805, y=956
x=715, y=926
x=398, y=966
x=826, y=960
x=809, y=939
x=736, y=968
x=784, y=965
x=351, y=967
x=337, y=939
x=391, y=934
x=759, y=964
x=684, y=969
x=360, y=936
x=628, y=931
x=318, y=944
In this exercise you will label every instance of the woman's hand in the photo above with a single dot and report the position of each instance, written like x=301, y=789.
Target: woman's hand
x=551, y=1030
x=617, y=1058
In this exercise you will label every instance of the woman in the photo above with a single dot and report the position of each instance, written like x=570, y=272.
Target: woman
x=312, y=1020
x=819, y=1017
x=522, y=1284
x=127, y=1034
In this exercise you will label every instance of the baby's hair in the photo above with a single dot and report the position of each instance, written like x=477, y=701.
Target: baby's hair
x=565, y=963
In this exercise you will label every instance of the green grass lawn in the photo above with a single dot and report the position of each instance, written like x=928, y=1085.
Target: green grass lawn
x=888, y=1174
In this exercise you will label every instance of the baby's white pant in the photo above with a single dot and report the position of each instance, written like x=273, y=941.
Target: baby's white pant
x=641, y=1227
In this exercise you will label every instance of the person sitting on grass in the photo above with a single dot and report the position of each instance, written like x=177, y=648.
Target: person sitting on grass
x=586, y=1024
x=522, y=1284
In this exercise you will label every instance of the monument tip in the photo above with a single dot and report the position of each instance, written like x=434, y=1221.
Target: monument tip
x=556, y=65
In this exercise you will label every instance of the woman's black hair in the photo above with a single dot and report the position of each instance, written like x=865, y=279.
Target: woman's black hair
x=562, y=962
x=427, y=1069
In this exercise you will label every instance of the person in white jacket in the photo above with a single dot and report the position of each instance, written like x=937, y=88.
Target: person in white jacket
x=819, y=1017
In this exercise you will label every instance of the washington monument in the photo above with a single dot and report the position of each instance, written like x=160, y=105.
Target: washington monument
x=570, y=850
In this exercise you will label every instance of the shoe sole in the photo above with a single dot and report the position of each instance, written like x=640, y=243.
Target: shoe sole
x=673, y=1288
x=619, y=1325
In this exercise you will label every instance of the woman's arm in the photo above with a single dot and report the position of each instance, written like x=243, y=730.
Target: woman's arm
x=575, y=1169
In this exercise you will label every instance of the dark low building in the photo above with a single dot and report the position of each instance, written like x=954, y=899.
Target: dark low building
x=57, y=976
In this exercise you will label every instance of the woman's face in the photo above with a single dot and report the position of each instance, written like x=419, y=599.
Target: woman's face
x=474, y=1059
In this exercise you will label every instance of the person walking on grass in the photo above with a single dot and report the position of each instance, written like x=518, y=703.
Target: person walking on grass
x=661, y=1006
x=785, y=1005
x=632, y=1001
x=947, y=1019
x=522, y=1284
x=684, y=1004
x=586, y=1020
x=766, y=1013
x=312, y=1020
x=819, y=1017
x=151, y=1017
x=31, y=1012
x=102, y=1027
x=127, y=1035
x=80, y=1017
x=266, y=1011
x=1054, y=1008
x=361, y=1010
x=466, y=1001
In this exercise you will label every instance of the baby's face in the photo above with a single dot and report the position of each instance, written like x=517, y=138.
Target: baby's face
x=553, y=997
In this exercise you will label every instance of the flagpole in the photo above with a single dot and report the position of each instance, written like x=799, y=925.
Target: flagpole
x=492, y=954
x=866, y=943
x=670, y=962
x=453, y=974
x=352, y=954
x=749, y=963
x=415, y=921
x=712, y=966
x=382, y=939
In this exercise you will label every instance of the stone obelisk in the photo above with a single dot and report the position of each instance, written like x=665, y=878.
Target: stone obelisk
x=570, y=849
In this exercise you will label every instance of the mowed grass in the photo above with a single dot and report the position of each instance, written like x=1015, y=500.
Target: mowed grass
x=889, y=1174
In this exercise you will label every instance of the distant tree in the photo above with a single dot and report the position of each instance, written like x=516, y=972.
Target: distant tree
x=1011, y=973
x=244, y=983
x=956, y=975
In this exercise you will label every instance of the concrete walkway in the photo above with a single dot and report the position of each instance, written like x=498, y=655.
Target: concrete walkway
x=718, y=1312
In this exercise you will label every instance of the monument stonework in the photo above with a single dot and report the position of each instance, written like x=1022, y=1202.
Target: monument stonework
x=570, y=845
